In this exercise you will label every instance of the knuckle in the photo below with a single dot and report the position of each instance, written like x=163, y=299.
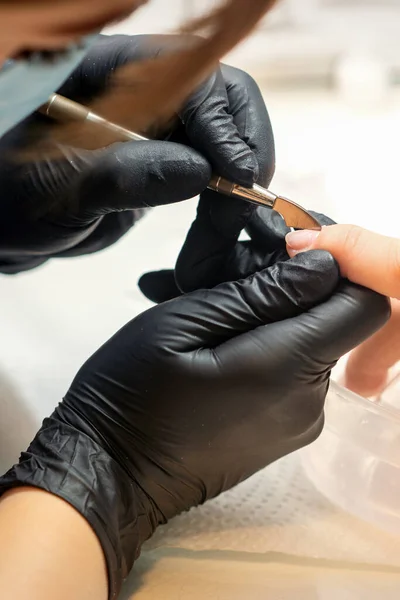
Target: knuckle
x=352, y=239
x=346, y=248
x=238, y=78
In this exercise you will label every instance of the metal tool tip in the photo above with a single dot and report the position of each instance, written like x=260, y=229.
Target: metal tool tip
x=295, y=215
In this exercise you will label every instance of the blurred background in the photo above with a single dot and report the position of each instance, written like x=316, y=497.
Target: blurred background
x=330, y=73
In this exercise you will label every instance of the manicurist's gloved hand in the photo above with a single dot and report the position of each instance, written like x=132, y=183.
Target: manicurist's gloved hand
x=212, y=253
x=85, y=202
x=194, y=396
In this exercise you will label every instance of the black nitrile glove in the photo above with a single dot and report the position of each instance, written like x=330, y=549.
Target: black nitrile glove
x=212, y=254
x=87, y=201
x=194, y=396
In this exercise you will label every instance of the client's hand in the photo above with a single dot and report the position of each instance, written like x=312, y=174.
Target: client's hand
x=372, y=260
x=194, y=396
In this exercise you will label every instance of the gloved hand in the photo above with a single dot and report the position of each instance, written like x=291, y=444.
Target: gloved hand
x=88, y=200
x=194, y=396
x=212, y=253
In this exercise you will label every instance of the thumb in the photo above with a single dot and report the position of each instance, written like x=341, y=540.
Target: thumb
x=141, y=175
x=364, y=257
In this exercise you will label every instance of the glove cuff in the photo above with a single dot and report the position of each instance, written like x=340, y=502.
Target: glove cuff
x=70, y=464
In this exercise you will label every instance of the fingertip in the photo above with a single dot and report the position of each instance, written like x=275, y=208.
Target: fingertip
x=146, y=286
x=302, y=239
x=292, y=253
x=242, y=168
x=319, y=261
x=267, y=229
x=186, y=172
x=159, y=286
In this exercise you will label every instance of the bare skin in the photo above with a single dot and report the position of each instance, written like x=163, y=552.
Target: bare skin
x=372, y=260
x=48, y=550
x=368, y=367
x=364, y=257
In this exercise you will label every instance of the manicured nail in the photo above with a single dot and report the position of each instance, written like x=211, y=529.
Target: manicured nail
x=301, y=240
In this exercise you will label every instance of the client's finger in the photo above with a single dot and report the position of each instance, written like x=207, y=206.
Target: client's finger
x=364, y=257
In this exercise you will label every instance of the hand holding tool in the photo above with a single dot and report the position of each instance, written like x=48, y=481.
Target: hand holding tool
x=60, y=108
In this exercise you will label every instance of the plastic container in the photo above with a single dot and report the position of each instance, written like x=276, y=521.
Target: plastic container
x=356, y=461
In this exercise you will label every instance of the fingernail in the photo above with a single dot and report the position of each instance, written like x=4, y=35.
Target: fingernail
x=301, y=240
